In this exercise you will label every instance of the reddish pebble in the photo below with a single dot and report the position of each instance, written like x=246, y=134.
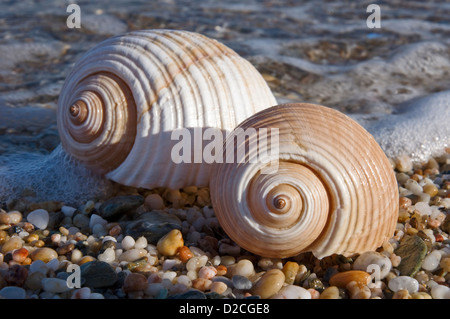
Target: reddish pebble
x=201, y=284
x=439, y=238
x=19, y=255
x=135, y=282
x=221, y=270
x=184, y=253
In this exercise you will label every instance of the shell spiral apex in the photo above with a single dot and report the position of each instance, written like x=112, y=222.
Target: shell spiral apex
x=328, y=188
x=124, y=98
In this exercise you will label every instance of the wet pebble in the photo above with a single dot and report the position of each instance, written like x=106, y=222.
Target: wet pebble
x=153, y=225
x=342, y=279
x=98, y=274
x=45, y=254
x=331, y=292
x=241, y=282
x=12, y=292
x=412, y=250
x=403, y=282
x=55, y=285
x=128, y=242
x=243, y=267
x=365, y=260
x=15, y=242
x=432, y=261
x=115, y=207
x=269, y=284
x=169, y=244
x=39, y=218
x=292, y=292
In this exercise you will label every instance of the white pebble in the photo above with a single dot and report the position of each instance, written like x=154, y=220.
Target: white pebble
x=108, y=256
x=12, y=292
x=423, y=208
x=440, y=292
x=432, y=260
x=292, y=292
x=39, y=218
x=366, y=259
x=141, y=242
x=170, y=263
x=54, y=285
x=106, y=238
x=195, y=263
x=244, y=267
x=404, y=282
x=68, y=211
x=414, y=187
x=132, y=254
x=170, y=275
x=128, y=242
x=184, y=280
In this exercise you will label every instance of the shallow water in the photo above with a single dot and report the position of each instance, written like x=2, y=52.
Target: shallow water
x=394, y=80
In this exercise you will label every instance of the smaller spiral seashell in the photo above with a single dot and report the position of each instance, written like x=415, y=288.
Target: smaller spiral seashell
x=328, y=188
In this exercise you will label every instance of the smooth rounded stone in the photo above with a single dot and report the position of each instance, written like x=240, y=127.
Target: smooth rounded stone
x=292, y=292
x=432, y=261
x=331, y=292
x=154, y=201
x=132, y=254
x=108, y=256
x=34, y=280
x=207, y=272
x=141, y=242
x=169, y=244
x=11, y=244
x=54, y=285
x=44, y=253
x=412, y=250
x=269, y=284
x=39, y=218
x=135, y=282
x=98, y=274
x=128, y=243
x=403, y=282
x=152, y=226
x=218, y=287
x=15, y=217
x=95, y=220
x=68, y=211
x=39, y=266
x=423, y=208
x=243, y=267
x=80, y=221
x=195, y=263
x=369, y=260
x=114, y=208
x=241, y=282
x=290, y=270
x=342, y=279
x=403, y=163
x=440, y=292
x=13, y=292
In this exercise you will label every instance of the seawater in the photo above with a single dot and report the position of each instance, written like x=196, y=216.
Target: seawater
x=393, y=80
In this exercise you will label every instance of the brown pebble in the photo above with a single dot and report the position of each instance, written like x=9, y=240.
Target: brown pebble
x=221, y=270
x=169, y=244
x=405, y=202
x=134, y=282
x=218, y=287
x=341, y=279
x=184, y=253
x=4, y=218
x=20, y=255
x=45, y=254
x=64, y=249
x=86, y=259
x=202, y=284
x=430, y=189
x=11, y=244
x=269, y=284
x=16, y=275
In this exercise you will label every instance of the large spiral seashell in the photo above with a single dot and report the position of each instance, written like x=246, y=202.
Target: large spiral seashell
x=328, y=188
x=123, y=100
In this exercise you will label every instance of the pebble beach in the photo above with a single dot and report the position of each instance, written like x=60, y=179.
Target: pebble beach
x=65, y=234
x=167, y=244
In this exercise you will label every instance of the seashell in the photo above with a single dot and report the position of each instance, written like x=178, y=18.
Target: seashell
x=123, y=100
x=328, y=188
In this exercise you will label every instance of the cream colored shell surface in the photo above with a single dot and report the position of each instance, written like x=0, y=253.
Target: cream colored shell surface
x=123, y=99
x=329, y=188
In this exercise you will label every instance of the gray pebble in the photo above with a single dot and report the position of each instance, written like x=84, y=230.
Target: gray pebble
x=241, y=282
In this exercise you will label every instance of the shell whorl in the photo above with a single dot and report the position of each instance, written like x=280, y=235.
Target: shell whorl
x=328, y=189
x=124, y=98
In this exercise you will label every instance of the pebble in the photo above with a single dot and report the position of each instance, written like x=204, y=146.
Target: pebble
x=108, y=256
x=128, y=242
x=241, y=282
x=440, y=292
x=290, y=270
x=403, y=282
x=201, y=284
x=45, y=254
x=153, y=225
x=169, y=244
x=81, y=221
x=403, y=163
x=34, y=280
x=412, y=250
x=97, y=220
x=269, y=284
x=218, y=287
x=366, y=259
x=292, y=292
x=68, y=211
x=15, y=242
x=115, y=207
x=12, y=292
x=98, y=274
x=243, y=267
x=207, y=272
x=141, y=242
x=135, y=282
x=20, y=255
x=184, y=253
x=39, y=218
x=154, y=202
x=432, y=261
x=132, y=254
x=342, y=279
x=54, y=285
x=331, y=292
